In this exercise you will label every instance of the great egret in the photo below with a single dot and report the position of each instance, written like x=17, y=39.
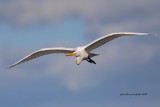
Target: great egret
x=81, y=53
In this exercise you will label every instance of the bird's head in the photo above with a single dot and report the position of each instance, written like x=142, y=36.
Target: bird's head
x=76, y=53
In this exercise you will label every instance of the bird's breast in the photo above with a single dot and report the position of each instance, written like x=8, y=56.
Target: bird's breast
x=84, y=55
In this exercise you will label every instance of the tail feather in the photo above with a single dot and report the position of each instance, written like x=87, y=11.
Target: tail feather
x=93, y=54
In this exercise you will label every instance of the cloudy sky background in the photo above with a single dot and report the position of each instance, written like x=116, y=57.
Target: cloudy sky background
x=125, y=65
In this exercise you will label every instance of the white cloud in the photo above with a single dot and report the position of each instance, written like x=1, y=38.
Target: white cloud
x=127, y=52
x=26, y=12
x=73, y=77
x=100, y=16
x=148, y=24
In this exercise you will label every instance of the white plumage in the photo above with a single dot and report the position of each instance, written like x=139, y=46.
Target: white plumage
x=81, y=53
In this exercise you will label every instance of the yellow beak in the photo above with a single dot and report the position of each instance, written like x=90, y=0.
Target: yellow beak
x=71, y=54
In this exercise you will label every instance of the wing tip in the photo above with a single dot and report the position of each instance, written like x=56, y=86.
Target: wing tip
x=138, y=33
x=153, y=34
x=13, y=65
x=9, y=67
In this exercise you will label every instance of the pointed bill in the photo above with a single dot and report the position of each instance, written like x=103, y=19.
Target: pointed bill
x=71, y=54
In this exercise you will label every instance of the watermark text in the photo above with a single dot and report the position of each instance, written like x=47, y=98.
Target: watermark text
x=133, y=94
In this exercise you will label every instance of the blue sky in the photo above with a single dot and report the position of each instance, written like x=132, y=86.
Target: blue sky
x=125, y=65
x=39, y=34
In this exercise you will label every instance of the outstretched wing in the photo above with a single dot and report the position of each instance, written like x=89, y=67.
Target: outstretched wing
x=42, y=52
x=101, y=41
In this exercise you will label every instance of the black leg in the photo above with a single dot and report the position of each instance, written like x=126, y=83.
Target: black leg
x=90, y=60
x=93, y=62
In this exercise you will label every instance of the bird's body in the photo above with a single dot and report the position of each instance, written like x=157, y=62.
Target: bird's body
x=81, y=53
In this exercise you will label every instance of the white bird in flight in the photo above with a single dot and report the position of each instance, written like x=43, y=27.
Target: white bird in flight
x=81, y=53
